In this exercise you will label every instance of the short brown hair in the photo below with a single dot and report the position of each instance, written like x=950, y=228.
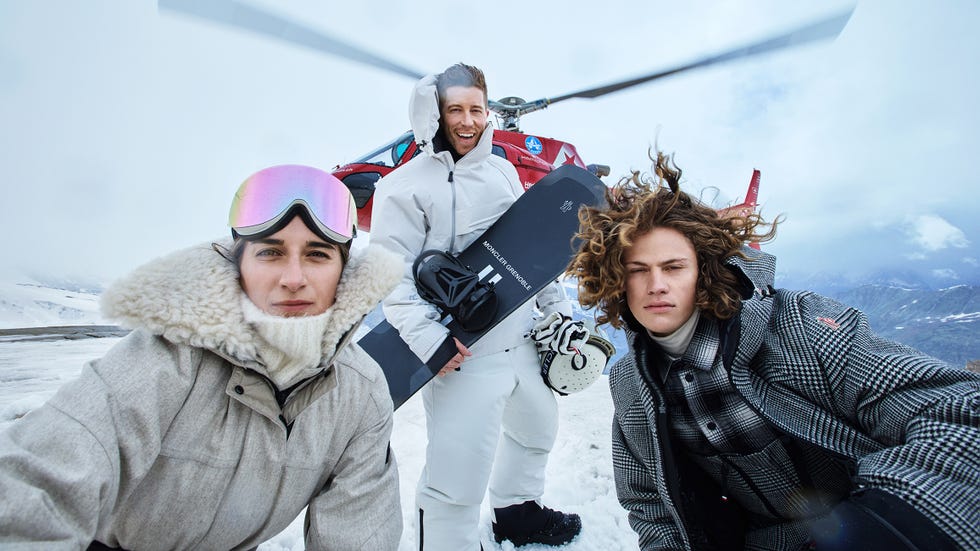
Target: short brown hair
x=460, y=74
x=637, y=205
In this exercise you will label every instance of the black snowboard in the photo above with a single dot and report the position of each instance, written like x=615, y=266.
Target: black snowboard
x=527, y=248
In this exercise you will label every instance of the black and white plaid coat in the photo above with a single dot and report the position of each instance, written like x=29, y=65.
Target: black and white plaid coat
x=908, y=423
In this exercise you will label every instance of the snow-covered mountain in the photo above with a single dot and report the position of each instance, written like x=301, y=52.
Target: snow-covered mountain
x=33, y=302
x=911, y=275
x=942, y=322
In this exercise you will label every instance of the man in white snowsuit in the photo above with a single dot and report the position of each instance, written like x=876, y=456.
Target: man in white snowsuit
x=496, y=403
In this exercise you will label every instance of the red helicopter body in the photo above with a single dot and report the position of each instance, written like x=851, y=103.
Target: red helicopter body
x=532, y=156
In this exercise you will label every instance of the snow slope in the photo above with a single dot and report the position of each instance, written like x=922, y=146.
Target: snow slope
x=25, y=302
x=579, y=477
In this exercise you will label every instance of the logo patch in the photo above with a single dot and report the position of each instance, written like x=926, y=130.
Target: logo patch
x=566, y=206
x=829, y=323
x=533, y=145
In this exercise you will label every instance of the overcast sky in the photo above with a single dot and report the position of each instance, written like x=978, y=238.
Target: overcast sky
x=124, y=132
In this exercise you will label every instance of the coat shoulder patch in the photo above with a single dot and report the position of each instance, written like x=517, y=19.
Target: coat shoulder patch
x=829, y=322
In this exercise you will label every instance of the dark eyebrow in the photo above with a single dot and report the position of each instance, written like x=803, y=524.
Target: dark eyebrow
x=269, y=241
x=682, y=260
x=461, y=105
x=280, y=242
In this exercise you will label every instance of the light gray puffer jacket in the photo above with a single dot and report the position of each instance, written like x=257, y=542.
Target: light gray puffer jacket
x=175, y=440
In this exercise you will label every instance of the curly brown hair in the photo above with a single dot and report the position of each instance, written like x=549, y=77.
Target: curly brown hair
x=638, y=204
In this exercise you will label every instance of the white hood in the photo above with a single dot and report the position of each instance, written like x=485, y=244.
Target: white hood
x=423, y=112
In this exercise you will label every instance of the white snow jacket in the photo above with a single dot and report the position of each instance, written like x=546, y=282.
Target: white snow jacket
x=434, y=202
x=175, y=439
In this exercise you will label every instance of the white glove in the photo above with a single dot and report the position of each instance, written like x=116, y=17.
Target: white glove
x=559, y=333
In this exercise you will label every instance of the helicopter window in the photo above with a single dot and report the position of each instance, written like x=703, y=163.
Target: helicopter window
x=388, y=154
x=361, y=186
x=498, y=151
x=399, y=151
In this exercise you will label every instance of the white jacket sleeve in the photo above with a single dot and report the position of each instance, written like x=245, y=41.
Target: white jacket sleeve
x=400, y=225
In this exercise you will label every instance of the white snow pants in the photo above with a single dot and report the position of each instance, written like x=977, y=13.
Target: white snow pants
x=497, y=398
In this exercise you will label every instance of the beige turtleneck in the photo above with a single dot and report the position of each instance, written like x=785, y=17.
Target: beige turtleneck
x=291, y=348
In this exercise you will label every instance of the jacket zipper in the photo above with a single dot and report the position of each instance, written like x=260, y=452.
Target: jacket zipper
x=452, y=235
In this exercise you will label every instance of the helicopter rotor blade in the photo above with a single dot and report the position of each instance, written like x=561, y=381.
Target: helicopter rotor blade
x=243, y=16
x=825, y=29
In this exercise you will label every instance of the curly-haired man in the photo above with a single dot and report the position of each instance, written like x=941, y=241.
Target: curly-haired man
x=748, y=417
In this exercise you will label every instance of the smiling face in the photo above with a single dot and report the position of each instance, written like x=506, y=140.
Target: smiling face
x=292, y=272
x=662, y=276
x=463, y=116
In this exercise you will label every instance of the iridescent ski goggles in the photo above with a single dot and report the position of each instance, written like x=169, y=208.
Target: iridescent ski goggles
x=266, y=197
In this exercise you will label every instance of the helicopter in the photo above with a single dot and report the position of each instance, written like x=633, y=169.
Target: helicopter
x=533, y=156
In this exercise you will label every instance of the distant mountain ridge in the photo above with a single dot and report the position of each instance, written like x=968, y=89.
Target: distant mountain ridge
x=944, y=323
x=28, y=302
x=834, y=284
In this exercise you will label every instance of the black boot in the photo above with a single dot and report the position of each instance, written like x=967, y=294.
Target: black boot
x=528, y=522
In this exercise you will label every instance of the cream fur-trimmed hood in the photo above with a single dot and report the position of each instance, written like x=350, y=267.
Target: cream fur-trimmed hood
x=193, y=297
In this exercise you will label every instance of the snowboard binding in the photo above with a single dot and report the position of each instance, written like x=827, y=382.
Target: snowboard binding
x=455, y=289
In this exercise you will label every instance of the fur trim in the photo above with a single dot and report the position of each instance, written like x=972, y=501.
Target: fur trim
x=367, y=278
x=189, y=297
x=193, y=297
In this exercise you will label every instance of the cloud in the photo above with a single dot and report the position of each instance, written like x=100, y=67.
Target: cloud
x=945, y=273
x=118, y=118
x=933, y=233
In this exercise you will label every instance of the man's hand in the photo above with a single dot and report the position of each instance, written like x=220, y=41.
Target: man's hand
x=454, y=363
x=559, y=333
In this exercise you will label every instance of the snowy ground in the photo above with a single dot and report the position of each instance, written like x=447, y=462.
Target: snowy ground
x=579, y=471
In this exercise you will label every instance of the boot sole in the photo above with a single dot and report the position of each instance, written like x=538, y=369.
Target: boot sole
x=542, y=539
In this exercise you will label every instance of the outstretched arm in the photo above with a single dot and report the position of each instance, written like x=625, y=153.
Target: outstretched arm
x=924, y=482
x=62, y=465
x=359, y=507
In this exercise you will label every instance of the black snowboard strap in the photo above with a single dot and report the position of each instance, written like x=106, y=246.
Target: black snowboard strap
x=455, y=289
